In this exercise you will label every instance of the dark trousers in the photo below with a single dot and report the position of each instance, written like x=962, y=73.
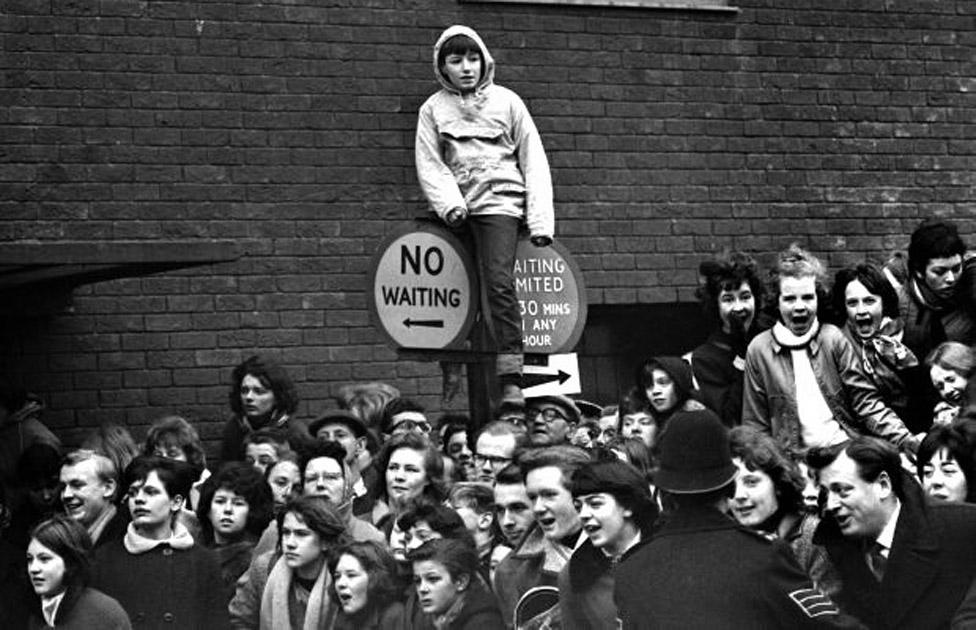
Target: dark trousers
x=495, y=238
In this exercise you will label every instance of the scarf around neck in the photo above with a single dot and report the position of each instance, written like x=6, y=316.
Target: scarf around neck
x=445, y=620
x=785, y=337
x=135, y=543
x=319, y=613
x=885, y=345
x=927, y=297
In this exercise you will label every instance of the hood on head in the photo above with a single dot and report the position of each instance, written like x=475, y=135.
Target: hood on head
x=680, y=372
x=488, y=62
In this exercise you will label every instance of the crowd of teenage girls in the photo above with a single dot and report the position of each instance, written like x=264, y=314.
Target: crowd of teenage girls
x=376, y=514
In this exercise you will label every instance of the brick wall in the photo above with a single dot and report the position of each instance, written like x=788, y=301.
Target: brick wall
x=288, y=127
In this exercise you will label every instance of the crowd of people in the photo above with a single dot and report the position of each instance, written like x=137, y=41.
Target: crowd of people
x=810, y=464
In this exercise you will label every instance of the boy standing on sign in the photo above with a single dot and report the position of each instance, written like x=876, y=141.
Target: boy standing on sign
x=481, y=165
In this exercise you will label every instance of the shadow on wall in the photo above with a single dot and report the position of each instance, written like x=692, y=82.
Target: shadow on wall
x=617, y=338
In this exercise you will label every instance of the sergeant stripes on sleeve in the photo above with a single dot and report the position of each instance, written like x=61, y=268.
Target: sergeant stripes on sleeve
x=814, y=602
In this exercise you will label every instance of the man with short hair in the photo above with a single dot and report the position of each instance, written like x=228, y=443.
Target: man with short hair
x=402, y=415
x=512, y=508
x=475, y=504
x=903, y=563
x=701, y=569
x=557, y=531
x=263, y=448
x=495, y=448
x=89, y=484
x=551, y=419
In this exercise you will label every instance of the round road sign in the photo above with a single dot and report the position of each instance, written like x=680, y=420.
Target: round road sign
x=552, y=298
x=424, y=288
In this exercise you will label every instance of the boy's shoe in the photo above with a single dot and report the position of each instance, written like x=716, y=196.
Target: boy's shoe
x=512, y=395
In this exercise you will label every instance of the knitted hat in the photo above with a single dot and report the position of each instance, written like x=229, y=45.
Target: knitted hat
x=695, y=455
x=338, y=416
x=563, y=402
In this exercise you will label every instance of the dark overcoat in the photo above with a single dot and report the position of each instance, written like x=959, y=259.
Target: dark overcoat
x=702, y=570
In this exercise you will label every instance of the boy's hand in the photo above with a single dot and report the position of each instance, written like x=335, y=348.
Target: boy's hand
x=456, y=216
x=541, y=241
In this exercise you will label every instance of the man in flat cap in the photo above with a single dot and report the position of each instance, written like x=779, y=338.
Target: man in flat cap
x=551, y=419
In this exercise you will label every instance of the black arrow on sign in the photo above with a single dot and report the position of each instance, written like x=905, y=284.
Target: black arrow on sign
x=531, y=379
x=429, y=323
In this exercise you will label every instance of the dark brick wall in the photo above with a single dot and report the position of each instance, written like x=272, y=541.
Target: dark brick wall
x=288, y=127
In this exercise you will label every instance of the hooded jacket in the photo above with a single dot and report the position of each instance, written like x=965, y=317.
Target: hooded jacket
x=481, y=150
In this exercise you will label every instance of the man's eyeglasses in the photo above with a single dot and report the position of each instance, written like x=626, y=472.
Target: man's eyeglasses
x=549, y=414
x=496, y=462
x=410, y=425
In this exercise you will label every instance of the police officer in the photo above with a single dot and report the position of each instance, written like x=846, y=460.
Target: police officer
x=701, y=569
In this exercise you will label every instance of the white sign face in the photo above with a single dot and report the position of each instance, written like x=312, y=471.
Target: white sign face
x=552, y=299
x=559, y=375
x=423, y=290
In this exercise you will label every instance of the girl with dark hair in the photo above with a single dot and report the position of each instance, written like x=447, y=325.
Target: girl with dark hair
x=235, y=507
x=364, y=583
x=58, y=564
x=449, y=589
x=291, y=587
x=456, y=445
x=261, y=395
x=731, y=295
x=769, y=499
x=946, y=462
x=617, y=512
x=157, y=571
x=866, y=305
x=666, y=385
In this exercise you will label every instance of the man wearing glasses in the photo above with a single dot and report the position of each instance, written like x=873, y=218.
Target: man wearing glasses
x=403, y=415
x=495, y=447
x=550, y=419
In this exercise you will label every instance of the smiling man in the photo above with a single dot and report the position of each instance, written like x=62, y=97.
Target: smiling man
x=89, y=483
x=545, y=548
x=804, y=383
x=903, y=563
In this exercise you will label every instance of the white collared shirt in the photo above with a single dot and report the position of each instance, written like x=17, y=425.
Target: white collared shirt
x=887, y=536
x=49, y=606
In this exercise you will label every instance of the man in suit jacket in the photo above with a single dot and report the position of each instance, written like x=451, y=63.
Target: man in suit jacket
x=904, y=563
